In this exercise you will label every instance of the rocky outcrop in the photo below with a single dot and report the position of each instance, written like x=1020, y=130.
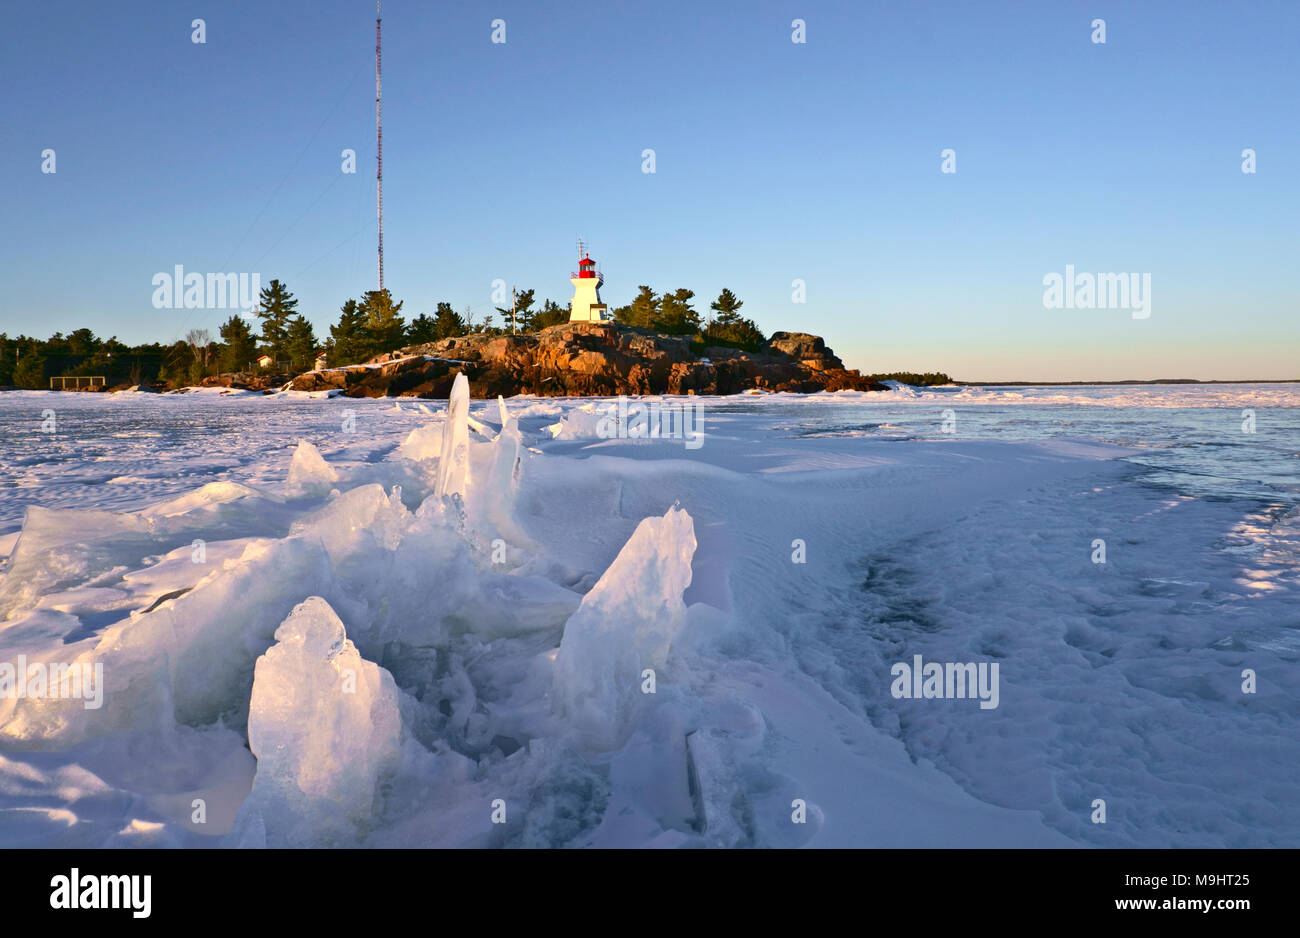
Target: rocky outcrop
x=591, y=359
x=247, y=381
x=402, y=376
x=806, y=349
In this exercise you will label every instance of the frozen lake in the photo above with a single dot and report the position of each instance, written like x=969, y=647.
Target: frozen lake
x=1123, y=554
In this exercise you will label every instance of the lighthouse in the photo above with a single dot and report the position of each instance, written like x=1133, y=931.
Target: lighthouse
x=586, y=305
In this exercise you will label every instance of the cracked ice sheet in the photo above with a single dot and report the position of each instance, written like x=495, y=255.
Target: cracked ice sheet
x=855, y=780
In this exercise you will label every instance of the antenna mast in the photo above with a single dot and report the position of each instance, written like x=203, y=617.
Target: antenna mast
x=379, y=144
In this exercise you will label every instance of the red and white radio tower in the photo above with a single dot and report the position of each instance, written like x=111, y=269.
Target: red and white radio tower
x=379, y=144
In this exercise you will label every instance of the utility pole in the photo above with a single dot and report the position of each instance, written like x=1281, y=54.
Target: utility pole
x=379, y=143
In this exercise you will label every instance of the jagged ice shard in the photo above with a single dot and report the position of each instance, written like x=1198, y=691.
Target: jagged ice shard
x=625, y=624
x=325, y=725
x=453, y=467
x=507, y=455
x=309, y=473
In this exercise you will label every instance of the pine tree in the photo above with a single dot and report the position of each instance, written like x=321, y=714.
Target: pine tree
x=742, y=333
x=447, y=322
x=347, y=344
x=642, y=311
x=238, y=345
x=300, y=344
x=276, y=308
x=82, y=343
x=8, y=358
x=421, y=330
x=551, y=314
x=522, y=311
x=30, y=370
x=730, y=328
x=177, y=358
x=384, y=328
x=727, y=307
x=676, y=315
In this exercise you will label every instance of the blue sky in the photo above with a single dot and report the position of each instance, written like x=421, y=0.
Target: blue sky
x=775, y=161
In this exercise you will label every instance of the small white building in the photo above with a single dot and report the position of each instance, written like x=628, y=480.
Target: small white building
x=265, y=361
x=586, y=305
x=322, y=360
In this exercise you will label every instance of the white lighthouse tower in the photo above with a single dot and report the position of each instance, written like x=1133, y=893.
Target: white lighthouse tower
x=587, y=280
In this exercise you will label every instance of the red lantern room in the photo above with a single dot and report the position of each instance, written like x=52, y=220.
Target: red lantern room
x=587, y=270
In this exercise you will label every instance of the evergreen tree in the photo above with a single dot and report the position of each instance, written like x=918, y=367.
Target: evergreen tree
x=30, y=370
x=551, y=314
x=347, y=344
x=676, y=315
x=8, y=358
x=742, y=333
x=56, y=344
x=642, y=311
x=177, y=359
x=522, y=311
x=276, y=309
x=82, y=343
x=421, y=330
x=107, y=359
x=239, y=348
x=300, y=344
x=384, y=328
x=730, y=328
x=447, y=322
x=727, y=307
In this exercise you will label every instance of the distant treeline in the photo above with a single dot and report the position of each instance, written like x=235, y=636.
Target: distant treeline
x=929, y=379
x=365, y=328
x=29, y=363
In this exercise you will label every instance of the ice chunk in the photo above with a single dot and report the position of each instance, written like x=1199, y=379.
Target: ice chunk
x=898, y=389
x=453, y=466
x=507, y=462
x=625, y=624
x=309, y=474
x=189, y=660
x=356, y=521
x=325, y=725
x=59, y=548
x=202, y=498
x=714, y=788
x=424, y=442
x=586, y=422
x=480, y=428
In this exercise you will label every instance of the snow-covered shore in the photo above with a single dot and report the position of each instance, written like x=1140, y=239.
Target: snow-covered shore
x=497, y=621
